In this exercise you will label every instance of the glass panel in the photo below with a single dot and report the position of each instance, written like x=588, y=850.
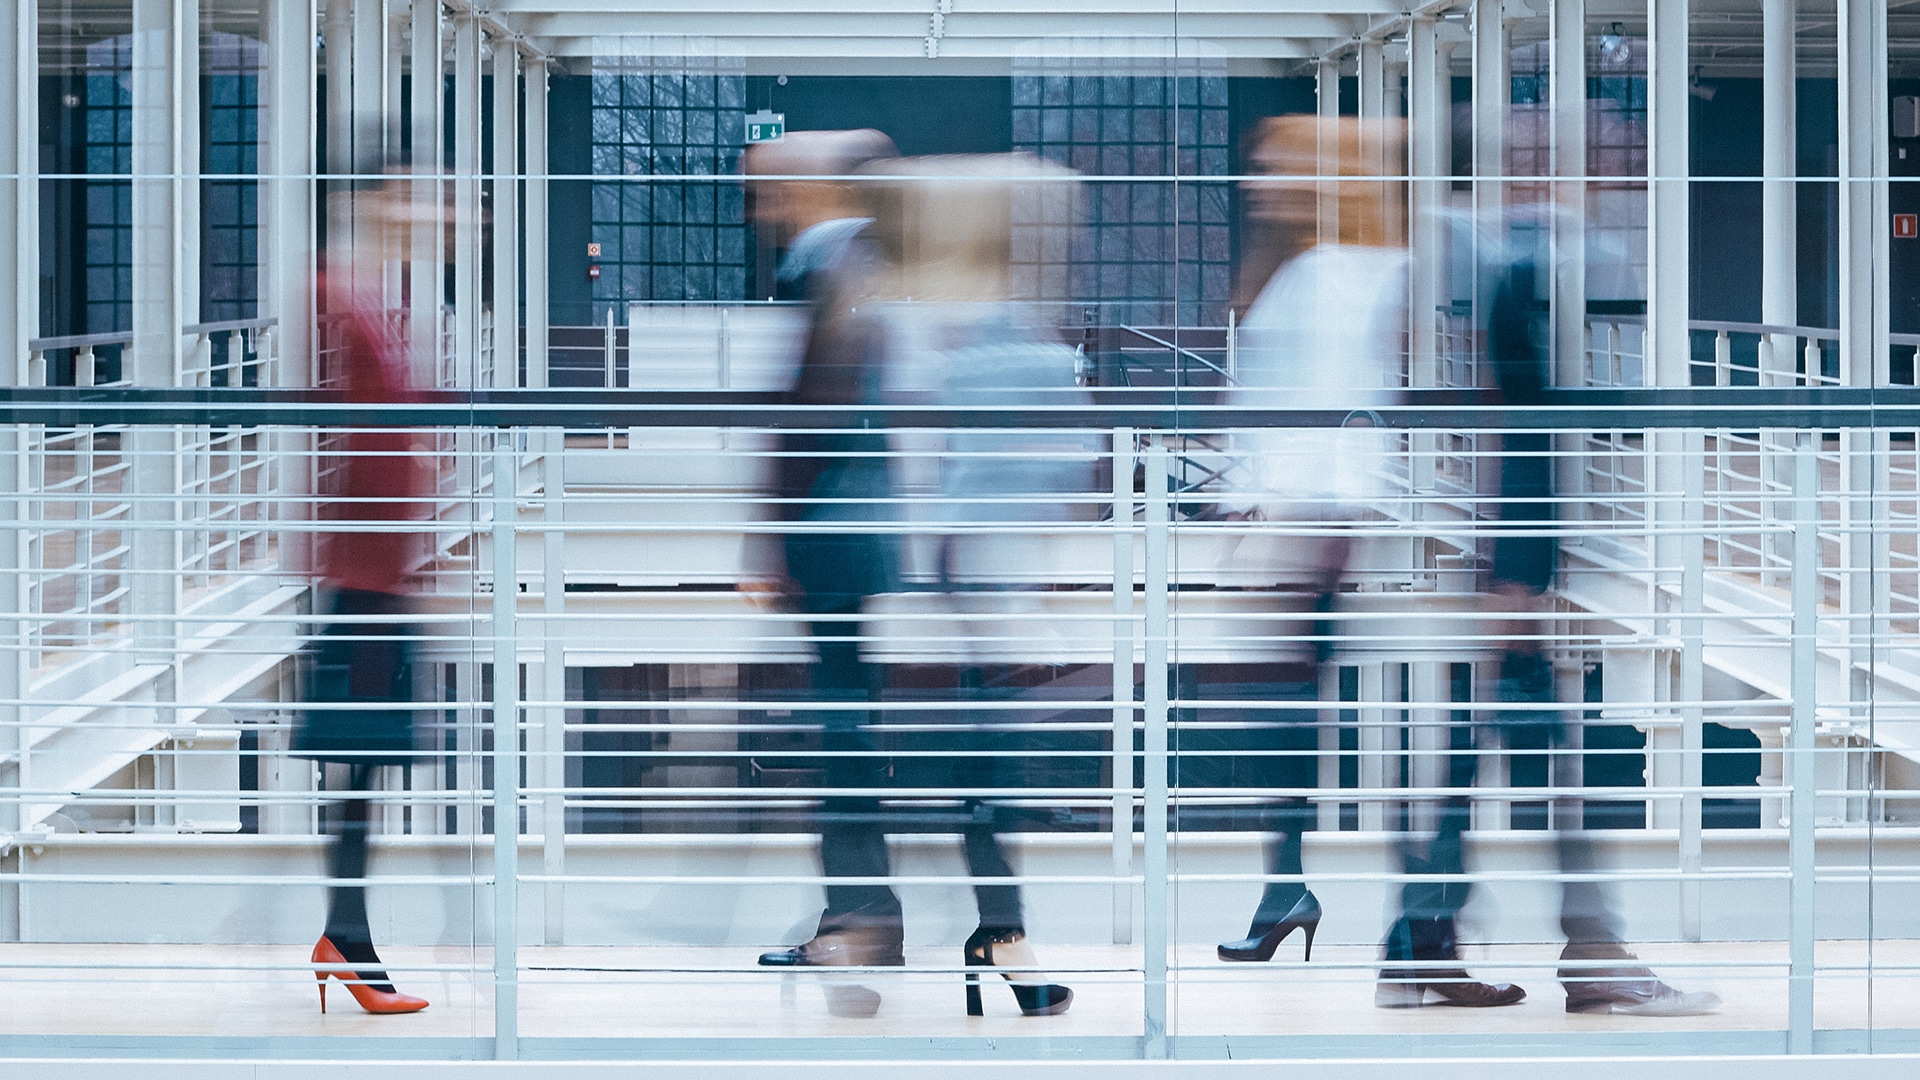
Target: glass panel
x=1088, y=531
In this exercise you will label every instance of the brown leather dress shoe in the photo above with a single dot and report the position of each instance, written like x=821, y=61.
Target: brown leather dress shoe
x=1448, y=986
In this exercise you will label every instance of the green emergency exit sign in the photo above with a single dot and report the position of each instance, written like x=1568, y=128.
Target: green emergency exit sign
x=765, y=126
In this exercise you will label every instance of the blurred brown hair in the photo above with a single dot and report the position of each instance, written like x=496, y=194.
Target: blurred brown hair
x=1369, y=209
x=1285, y=214
x=948, y=224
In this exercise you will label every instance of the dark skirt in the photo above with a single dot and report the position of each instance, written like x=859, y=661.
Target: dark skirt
x=359, y=663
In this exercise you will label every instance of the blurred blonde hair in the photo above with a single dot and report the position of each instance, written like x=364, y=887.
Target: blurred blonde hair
x=1302, y=148
x=948, y=225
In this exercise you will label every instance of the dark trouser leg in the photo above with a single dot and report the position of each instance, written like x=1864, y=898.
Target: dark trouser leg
x=999, y=905
x=1586, y=916
x=1286, y=824
x=347, y=925
x=853, y=840
x=1428, y=909
x=1285, y=758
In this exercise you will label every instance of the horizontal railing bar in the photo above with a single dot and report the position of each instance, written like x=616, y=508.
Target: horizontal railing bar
x=230, y=324
x=1717, y=326
x=1171, y=410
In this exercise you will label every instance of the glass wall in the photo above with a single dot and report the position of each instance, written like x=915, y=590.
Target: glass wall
x=1108, y=533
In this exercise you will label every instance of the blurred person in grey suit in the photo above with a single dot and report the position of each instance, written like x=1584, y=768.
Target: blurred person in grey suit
x=826, y=481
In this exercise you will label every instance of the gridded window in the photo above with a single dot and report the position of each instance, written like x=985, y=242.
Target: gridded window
x=229, y=196
x=107, y=267
x=1616, y=104
x=1154, y=252
x=665, y=132
x=1616, y=197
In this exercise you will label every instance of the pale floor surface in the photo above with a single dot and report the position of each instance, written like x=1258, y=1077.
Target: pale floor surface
x=691, y=992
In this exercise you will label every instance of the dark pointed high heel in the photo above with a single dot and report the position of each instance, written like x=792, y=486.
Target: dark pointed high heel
x=1259, y=944
x=1035, y=998
x=366, y=989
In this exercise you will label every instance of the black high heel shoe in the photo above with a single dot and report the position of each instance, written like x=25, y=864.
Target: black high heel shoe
x=1259, y=944
x=1040, y=998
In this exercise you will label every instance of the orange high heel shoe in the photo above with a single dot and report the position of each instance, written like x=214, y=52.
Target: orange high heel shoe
x=372, y=999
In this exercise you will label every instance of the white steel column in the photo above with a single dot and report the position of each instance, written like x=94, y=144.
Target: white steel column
x=506, y=215
x=287, y=240
x=287, y=265
x=1428, y=738
x=1429, y=138
x=426, y=287
x=338, y=39
x=1327, y=163
x=165, y=60
x=393, y=121
x=1371, y=74
x=19, y=191
x=1678, y=457
x=1429, y=118
x=1779, y=302
x=1568, y=73
x=506, y=758
x=466, y=199
x=19, y=323
x=1864, y=220
x=1156, y=935
x=551, y=760
x=1668, y=103
x=1801, y=772
x=538, y=258
x=161, y=135
x=19, y=213
x=553, y=542
x=1864, y=308
x=1492, y=98
x=369, y=89
x=1121, y=751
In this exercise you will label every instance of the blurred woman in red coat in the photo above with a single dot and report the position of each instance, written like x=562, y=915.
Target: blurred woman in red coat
x=361, y=665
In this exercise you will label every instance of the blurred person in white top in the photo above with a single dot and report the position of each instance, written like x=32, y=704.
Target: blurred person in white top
x=1326, y=331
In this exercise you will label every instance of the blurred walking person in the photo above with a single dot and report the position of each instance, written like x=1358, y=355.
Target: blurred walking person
x=956, y=336
x=1599, y=973
x=368, y=569
x=828, y=483
x=1324, y=331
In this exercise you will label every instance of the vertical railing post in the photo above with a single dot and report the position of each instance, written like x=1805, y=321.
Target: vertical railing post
x=1690, y=686
x=202, y=360
x=553, y=744
x=1800, y=771
x=1233, y=346
x=1123, y=638
x=1154, y=749
x=607, y=358
x=506, y=759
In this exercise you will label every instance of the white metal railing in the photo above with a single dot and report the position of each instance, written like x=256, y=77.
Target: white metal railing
x=576, y=560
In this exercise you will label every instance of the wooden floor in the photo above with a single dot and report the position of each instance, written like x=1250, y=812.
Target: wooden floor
x=583, y=992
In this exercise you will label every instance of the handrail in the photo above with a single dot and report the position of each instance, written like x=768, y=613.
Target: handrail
x=1718, y=326
x=1167, y=409
x=230, y=324
x=1762, y=328
x=125, y=337
x=1188, y=353
x=80, y=341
